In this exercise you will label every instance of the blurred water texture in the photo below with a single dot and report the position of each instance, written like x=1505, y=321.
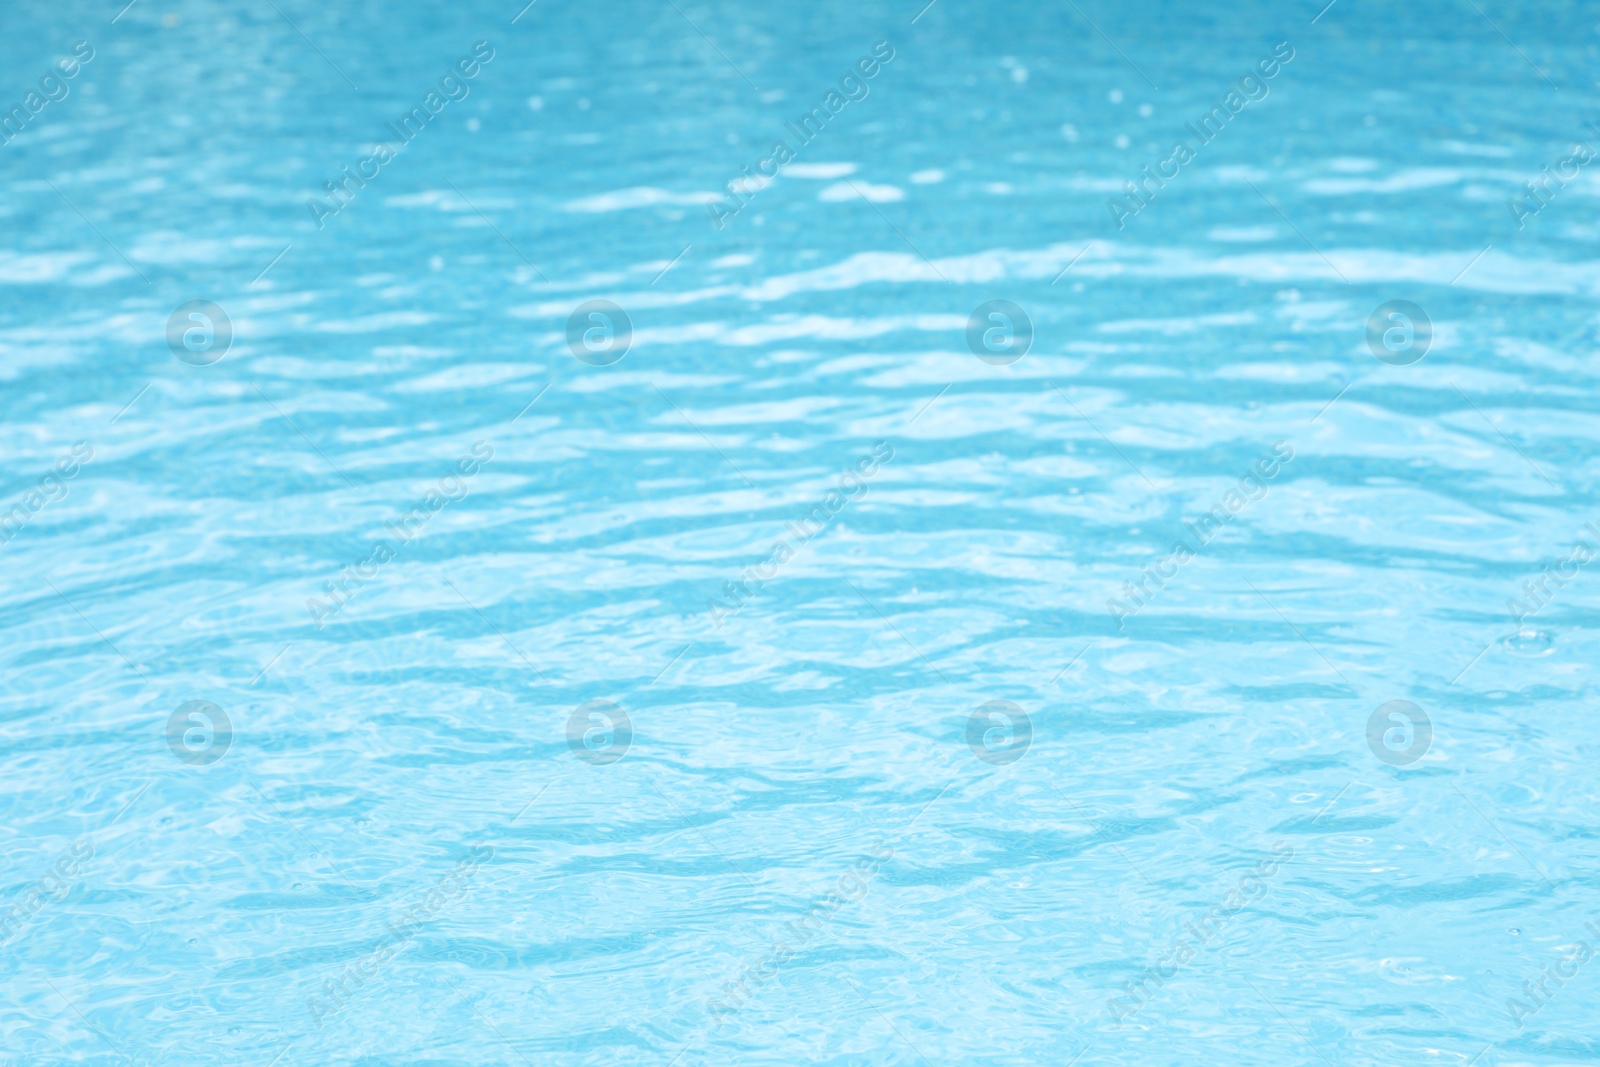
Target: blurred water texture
x=402, y=831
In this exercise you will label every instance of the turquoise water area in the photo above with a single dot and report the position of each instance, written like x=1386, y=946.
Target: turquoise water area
x=591, y=534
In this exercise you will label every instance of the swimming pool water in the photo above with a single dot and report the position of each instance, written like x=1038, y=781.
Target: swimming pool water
x=614, y=534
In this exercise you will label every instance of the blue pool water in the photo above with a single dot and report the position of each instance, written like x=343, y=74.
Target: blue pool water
x=470, y=600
